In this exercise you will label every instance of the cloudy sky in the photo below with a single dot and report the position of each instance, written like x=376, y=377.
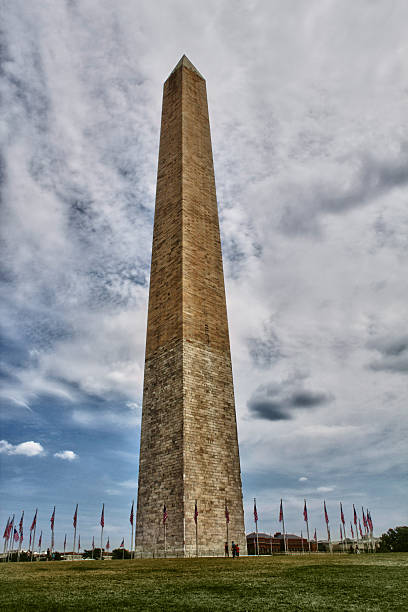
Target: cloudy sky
x=308, y=107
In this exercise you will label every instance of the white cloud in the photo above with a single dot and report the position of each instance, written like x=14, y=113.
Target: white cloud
x=68, y=455
x=325, y=489
x=303, y=479
x=30, y=449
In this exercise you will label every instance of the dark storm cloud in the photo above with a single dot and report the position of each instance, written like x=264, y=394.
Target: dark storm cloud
x=370, y=178
x=279, y=401
x=393, y=354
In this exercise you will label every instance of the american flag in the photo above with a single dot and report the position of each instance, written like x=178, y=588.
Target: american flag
x=341, y=533
x=107, y=545
x=65, y=541
x=352, y=531
x=355, y=516
x=93, y=542
x=359, y=526
x=305, y=512
x=6, y=530
x=370, y=522
x=226, y=513
x=315, y=536
x=103, y=516
x=79, y=543
x=20, y=526
x=10, y=528
x=122, y=544
x=34, y=523
x=364, y=519
x=342, y=514
x=40, y=540
x=29, y=546
x=52, y=519
x=75, y=519
x=195, y=512
x=16, y=536
x=281, y=512
x=131, y=514
x=255, y=512
x=326, y=516
x=164, y=514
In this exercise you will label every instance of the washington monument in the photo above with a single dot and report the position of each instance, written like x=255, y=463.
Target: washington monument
x=189, y=457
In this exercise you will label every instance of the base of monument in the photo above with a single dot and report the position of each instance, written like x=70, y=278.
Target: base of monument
x=178, y=553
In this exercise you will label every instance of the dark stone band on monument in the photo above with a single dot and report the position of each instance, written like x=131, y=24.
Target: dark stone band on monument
x=189, y=447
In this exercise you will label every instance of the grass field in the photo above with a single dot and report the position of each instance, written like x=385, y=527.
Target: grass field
x=315, y=582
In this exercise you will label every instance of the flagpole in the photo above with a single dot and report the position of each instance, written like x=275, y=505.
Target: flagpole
x=326, y=517
x=301, y=537
x=370, y=524
x=196, y=527
x=227, y=533
x=307, y=527
x=365, y=526
x=8, y=547
x=102, y=525
x=11, y=543
x=75, y=528
x=226, y=512
x=20, y=533
x=256, y=526
x=165, y=539
x=39, y=545
x=33, y=542
x=165, y=528
x=10, y=531
x=131, y=538
x=52, y=531
x=329, y=538
x=4, y=536
x=285, y=545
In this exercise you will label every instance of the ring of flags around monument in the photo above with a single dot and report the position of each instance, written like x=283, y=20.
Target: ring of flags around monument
x=13, y=536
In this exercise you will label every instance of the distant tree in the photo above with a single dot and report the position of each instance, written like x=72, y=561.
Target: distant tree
x=87, y=554
x=119, y=553
x=395, y=540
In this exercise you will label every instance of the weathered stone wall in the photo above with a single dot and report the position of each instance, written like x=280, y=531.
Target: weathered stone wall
x=189, y=448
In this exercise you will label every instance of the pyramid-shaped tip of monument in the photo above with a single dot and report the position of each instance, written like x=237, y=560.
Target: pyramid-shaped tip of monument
x=185, y=62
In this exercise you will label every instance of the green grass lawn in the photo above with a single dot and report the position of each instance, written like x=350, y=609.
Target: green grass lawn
x=315, y=582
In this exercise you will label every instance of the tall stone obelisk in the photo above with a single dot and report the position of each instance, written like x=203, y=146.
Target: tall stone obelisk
x=189, y=447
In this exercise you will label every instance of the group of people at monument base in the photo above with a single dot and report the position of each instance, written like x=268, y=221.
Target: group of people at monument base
x=234, y=549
